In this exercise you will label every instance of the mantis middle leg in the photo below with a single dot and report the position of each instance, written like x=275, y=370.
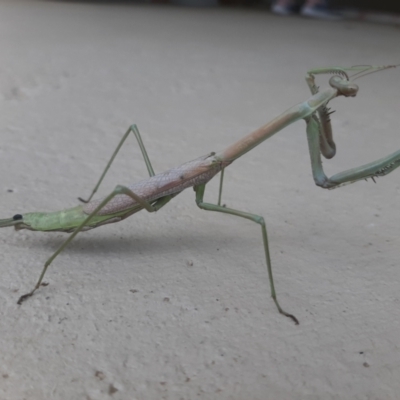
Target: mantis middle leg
x=252, y=217
x=132, y=129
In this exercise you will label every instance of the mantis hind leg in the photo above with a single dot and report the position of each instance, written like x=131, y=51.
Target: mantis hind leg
x=155, y=206
x=132, y=129
x=252, y=217
x=377, y=168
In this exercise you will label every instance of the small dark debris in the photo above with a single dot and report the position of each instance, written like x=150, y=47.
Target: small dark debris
x=361, y=352
x=226, y=309
x=100, y=375
x=187, y=379
x=166, y=299
x=163, y=383
x=189, y=263
x=10, y=190
x=133, y=290
x=5, y=376
x=44, y=284
x=365, y=364
x=112, y=389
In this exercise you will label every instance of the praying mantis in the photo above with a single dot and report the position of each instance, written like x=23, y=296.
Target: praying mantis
x=155, y=192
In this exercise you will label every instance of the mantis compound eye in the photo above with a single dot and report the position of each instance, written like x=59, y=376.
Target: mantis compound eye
x=343, y=86
x=17, y=217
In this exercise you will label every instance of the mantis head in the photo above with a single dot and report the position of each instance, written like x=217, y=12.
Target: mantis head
x=342, y=81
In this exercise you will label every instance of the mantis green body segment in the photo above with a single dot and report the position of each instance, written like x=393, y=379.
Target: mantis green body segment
x=156, y=191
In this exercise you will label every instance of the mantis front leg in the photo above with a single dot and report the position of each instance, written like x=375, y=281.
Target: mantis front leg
x=327, y=145
x=380, y=167
x=252, y=217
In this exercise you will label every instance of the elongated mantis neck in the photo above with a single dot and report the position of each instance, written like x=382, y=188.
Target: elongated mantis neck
x=299, y=111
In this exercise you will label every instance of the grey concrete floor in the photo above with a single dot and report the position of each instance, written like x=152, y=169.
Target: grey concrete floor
x=176, y=305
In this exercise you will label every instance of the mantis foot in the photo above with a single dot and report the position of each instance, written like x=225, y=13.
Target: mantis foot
x=296, y=321
x=25, y=296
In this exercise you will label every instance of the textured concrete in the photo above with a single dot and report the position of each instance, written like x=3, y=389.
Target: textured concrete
x=176, y=305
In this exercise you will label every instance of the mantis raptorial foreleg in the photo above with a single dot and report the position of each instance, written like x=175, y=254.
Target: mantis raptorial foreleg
x=134, y=129
x=327, y=146
x=380, y=167
x=119, y=190
x=252, y=217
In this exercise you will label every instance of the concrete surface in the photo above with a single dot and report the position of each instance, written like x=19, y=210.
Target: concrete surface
x=176, y=305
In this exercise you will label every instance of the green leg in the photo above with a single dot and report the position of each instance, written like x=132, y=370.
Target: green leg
x=117, y=191
x=327, y=145
x=135, y=131
x=221, y=181
x=377, y=168
x=252, y=217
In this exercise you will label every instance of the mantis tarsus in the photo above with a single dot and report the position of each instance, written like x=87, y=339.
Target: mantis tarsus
x=156, y=191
